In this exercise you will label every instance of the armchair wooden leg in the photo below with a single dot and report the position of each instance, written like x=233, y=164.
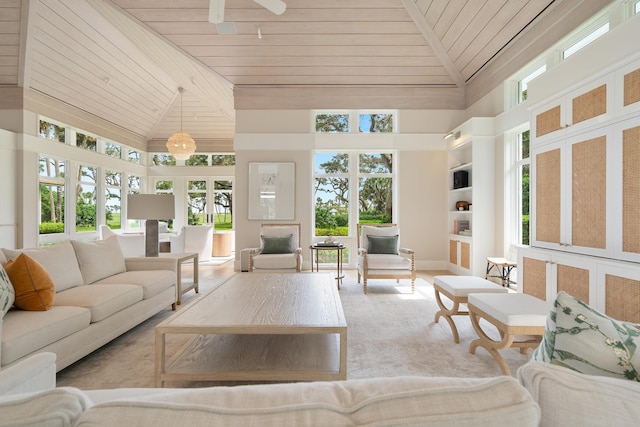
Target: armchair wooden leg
x=365, y=284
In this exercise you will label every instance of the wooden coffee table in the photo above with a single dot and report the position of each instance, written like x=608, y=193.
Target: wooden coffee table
x=259, y=327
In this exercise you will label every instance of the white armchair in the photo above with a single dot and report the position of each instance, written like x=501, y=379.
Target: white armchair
x=132, y=245
x=194, y=238
x=381, y=257
x=279, y=249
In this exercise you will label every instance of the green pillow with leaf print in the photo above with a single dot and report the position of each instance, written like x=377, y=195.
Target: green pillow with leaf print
x=581, y=338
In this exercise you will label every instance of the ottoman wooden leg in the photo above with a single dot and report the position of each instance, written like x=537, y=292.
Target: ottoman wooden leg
x=491, y=345
x=447, y=313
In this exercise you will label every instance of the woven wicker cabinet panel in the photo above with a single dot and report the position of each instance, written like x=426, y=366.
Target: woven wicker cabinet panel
x=548, y=196
x=534, y=280
x=589, y=105
x=631, y=190
x=589, y=193
x=632, y=87
x=574, y=281
x=548, y=122
x=622, y=298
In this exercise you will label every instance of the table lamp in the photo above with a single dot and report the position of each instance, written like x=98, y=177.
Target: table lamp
x=151, y=207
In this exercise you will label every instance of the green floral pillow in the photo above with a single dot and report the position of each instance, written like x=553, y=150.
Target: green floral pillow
x=7, y=293
x=583, y=339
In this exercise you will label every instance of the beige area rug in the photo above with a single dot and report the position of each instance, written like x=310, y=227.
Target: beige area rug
x=390, y=332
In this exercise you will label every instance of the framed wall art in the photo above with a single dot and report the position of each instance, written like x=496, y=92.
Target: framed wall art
x=272, y=190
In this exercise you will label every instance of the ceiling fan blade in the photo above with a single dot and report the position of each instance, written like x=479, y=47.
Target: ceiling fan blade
x=275, y=6
x=216, y=11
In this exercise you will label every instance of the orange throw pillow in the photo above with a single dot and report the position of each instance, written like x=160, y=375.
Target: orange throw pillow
x=32, y=283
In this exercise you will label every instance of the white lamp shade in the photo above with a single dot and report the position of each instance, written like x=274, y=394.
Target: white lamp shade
x=151, y=206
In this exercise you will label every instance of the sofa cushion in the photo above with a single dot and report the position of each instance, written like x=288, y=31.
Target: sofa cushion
x=275, y=261
x=580, y=337
x=58, y=407
x=99, y=259
x=386, y=262
x=565, y=395
x=152, y=282
x=32, y=284
x=102, y=301
x=24, y=332
x=7, y=293
x=499, y=401
x=59, y=260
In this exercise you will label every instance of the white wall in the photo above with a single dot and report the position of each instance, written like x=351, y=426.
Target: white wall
x=8, y=174
x=421, y=165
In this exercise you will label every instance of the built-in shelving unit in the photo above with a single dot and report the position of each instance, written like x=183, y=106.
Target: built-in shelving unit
x=470, y=204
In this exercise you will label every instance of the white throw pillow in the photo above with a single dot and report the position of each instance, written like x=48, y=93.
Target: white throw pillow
x=7, y=293
x=99, y=259
x=59, y=260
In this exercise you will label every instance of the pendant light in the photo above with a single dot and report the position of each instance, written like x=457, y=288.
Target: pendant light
x=180, y=144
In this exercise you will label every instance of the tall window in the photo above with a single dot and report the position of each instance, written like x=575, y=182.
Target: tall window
x=134, y=184
x=374, y=187
x=223, y=204
x=113, y=199
x=523, y=164
x=52, y=195
x=86, y=198
x=331, y=194
x=165, y=187
x=197, y=202
x=349, y=188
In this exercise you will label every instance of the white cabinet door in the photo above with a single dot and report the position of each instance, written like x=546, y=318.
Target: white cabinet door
x=544, y=273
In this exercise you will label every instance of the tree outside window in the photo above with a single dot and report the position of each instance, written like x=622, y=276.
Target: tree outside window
x=52, y=195
x=523, y=164
x=86, y=198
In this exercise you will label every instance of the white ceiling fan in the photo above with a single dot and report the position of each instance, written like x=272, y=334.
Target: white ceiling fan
x=216, y=8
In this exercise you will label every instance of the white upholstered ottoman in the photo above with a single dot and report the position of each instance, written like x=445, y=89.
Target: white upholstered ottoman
x=512, y=314
x=457, y=288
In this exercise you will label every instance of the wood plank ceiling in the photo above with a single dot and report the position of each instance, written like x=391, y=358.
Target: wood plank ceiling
x=123, y=60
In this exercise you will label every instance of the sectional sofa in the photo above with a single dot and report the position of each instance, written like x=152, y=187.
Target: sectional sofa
x=99, y=295
x=543, y=395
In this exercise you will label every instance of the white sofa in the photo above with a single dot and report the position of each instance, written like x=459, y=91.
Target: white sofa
x=99, y=296
x=545, y=395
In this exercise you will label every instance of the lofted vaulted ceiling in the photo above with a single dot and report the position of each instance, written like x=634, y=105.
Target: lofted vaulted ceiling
x=123, y=60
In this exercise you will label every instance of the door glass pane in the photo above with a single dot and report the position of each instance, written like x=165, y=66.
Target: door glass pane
x=113, y=199
x=197, y=202
x=331, y=194
x=223, y=205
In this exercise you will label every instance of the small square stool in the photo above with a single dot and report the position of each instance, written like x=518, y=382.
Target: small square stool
x=504, y=267
x=512, y=314
x=456, y=288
